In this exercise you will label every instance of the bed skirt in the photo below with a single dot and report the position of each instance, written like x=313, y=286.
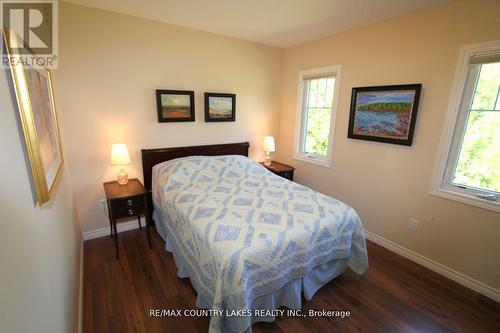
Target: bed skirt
x=288, y=296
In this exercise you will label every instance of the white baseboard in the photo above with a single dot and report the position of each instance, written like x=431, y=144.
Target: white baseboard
x=121, y=227
x=436, y=267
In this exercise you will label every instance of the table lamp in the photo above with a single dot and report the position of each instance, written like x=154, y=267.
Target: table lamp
x=268, y=148
x=119, y=156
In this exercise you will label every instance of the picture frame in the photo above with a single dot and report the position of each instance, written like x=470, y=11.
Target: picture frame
x=384, y=113
x=175, y=105
x=36, y=104
x=220, y=107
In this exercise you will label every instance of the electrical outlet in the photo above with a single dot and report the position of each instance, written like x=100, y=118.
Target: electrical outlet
x=413, y=224
x=104, y=205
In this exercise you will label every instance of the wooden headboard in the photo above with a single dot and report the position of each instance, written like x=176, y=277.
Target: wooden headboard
x=152, y=157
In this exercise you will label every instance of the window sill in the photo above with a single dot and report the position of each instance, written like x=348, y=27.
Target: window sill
x=466, y=199
x=326, y=163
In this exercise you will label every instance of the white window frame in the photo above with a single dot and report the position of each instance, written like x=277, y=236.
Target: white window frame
x=441, y=184
x=299, y=154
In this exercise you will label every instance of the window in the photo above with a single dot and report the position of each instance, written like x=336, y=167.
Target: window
x=318, y=91
x=471, y=168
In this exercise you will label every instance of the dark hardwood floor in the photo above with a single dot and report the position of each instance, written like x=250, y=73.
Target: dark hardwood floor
x=395, y=295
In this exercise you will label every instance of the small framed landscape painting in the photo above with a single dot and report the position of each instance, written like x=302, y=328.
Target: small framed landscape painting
x=175, y=105
x=220, y=107
x=384, y=113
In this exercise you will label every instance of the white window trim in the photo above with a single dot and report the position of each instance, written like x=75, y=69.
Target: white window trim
x=334, y=70
x=438, y=185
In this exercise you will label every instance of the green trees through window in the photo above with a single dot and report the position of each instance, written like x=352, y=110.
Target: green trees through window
x=479, y=160
x=318, y=116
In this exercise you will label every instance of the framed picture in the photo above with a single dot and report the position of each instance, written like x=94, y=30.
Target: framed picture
x=384, y=113
x=175, y=105
x=220, y=107
x=35, y=99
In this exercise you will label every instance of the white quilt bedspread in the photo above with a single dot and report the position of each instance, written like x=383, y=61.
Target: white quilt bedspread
x=242, y=231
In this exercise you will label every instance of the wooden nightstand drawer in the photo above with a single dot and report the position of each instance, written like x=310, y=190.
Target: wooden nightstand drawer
x=286, y=174
x=121, y=212
x=131, y=202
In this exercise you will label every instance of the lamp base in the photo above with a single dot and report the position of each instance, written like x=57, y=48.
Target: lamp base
x=122, y=177
x=267, y=161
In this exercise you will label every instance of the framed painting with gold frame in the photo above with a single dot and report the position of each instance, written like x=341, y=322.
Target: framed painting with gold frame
x=37, y=111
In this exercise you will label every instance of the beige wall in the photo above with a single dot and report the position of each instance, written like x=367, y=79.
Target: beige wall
x=39, y=247
x=388, y=184
x=110, y=66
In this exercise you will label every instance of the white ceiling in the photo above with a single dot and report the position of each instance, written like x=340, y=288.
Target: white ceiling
x=278, y=23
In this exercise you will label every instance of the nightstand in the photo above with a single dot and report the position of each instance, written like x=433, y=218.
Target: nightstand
x=280, y=169
x=126, y=201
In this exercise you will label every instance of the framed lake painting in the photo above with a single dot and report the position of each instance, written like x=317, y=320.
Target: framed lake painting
x=220, y=107
x=384, y=113
x=175, y=105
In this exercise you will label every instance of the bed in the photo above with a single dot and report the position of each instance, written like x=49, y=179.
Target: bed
x=247, y=239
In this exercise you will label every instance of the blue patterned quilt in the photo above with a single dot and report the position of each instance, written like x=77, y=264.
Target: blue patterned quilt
x=243, y=232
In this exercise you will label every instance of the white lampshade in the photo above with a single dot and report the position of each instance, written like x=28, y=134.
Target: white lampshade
x=269, y=144
x=119, y=154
